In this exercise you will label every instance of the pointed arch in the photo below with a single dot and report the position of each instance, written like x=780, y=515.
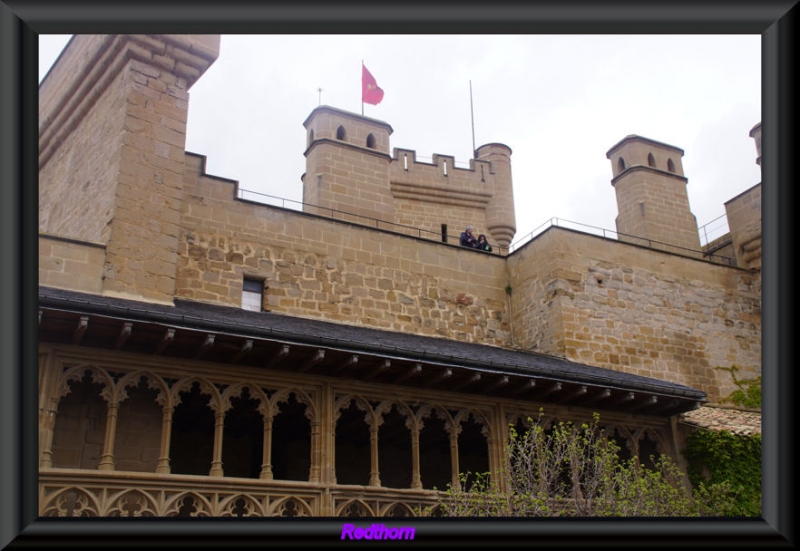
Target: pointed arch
x=354, y=508
x=670, y=165
x=205, y=387
x=235, y=391
x=71, y=502
x=131, y=503
x=240, y=505
x=154, y=381
x=301, y=396
x=188, y=504
x=651, y=161
x=371, y=141
x=96, y=374
x=397, y=509
x=290, y=507
x=360, y=403
x=341, y=134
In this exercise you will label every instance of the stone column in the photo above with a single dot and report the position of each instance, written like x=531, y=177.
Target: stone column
x=374, y=474
x=266, y=461
x=107, y=459
x=166, y=435
x=416, y=479
x=216, y=462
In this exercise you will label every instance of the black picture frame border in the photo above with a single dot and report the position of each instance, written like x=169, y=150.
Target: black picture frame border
x=22, y=21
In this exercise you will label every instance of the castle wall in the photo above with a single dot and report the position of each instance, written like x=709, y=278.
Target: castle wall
x=632, y=309
x=68, y=264
x=744, y=221
x=315, y=267
x=115, y=141
x=428, y=195
x=80, y=145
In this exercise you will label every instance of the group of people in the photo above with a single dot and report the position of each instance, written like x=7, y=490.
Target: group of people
x=469, y=240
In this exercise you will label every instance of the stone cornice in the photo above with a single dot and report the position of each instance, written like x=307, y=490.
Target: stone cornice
x=636, y=168
x=182, y=55
x=438, y=194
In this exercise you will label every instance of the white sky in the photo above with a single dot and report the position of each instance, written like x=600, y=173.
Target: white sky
x=559, y=102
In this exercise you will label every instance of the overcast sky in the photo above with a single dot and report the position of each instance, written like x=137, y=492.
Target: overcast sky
x=559, y=102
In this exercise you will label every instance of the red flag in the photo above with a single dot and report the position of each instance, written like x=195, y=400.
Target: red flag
x=370, y=91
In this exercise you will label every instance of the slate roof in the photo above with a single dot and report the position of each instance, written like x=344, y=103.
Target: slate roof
x=367, y=340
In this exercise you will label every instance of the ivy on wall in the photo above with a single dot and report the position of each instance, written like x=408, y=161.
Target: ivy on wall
x=716, y=457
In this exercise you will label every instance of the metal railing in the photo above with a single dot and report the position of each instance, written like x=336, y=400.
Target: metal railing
x=336, y=214
x=716, y=227
x=610, y=234
x=713, y=230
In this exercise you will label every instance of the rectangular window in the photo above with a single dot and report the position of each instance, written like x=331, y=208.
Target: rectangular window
x=252, y=294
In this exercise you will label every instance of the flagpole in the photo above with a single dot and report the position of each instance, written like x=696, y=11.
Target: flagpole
x=472, y=116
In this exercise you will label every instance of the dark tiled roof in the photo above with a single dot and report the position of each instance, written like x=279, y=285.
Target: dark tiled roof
x=290, y=329
x=737, y=421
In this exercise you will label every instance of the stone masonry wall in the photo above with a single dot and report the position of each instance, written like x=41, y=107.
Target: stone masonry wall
x=744, y=221
x=79, y=143
x=632, y=309
x=74, y=265
x=316, y=267
x=427, y=195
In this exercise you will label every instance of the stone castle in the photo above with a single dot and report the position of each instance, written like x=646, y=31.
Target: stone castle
x=201, y=354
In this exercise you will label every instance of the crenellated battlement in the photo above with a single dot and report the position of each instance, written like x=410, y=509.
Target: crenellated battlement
x=348, y=169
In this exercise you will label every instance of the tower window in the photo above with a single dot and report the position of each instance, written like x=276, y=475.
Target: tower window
x=444, y=233
x=651, y=161
x=621, y=164
x=340, y=133
x=371, y=141
x=252, y=294
x=310, y=137
x=670, y=165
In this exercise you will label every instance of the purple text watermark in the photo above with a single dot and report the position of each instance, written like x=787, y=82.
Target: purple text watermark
x=377, y=532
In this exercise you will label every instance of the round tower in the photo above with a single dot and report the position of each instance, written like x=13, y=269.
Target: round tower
x=652, y=202
x=500, y=219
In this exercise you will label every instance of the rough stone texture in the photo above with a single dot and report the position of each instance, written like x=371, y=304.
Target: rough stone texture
x=71, y=265
x=630, y=308
x=170, y=230
x=744, y=221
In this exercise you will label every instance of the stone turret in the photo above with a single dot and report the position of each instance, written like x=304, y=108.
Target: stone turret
x=500, y=218
x=652, y=202
x=347, y=164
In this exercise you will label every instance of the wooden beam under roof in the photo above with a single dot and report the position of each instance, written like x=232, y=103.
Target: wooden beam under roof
x=350, y=361
x=443, y=374
x=80, y=329
x=166, y=340
x=208, y=342
x=124, y=333
x=409, y=373
x=275, y=359
x=525, y=386
x=497, y=383
x=382, y=367
x=471, y=380
x=247, y=347
x=318, y=356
